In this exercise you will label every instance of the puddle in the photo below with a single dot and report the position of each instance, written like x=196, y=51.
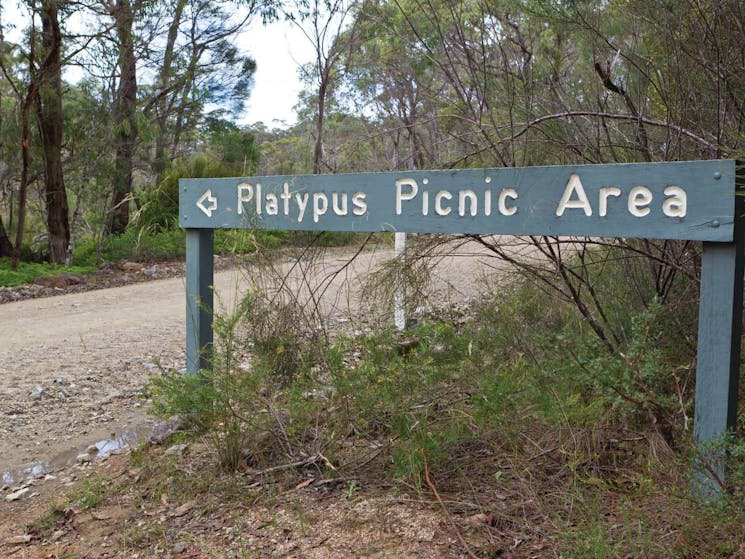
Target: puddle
x=105, y=446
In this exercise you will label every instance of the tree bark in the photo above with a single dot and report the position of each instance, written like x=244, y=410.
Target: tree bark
x=125, y=116
x=320, y=120
x=50, y=119
x=6, y=247
x=162, y=109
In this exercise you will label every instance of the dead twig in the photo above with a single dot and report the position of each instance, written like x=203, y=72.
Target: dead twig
x=311, y=460
x=432, y=487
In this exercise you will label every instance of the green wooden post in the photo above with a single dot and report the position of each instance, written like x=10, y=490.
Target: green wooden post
x=199, y=299
x=718, y=360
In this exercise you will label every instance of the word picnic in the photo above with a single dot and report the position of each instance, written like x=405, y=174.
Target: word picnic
x=412, y=196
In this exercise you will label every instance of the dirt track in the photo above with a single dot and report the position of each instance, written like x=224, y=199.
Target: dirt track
x=73, y=366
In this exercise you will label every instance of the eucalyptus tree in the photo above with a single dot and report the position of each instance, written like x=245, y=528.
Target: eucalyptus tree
x=323, y=23
x=39, y=93
x=50, y=120
x=197, y=64
x=396, y=84
x=125, y=110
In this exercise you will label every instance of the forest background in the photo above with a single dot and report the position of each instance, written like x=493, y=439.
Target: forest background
x=392, y=85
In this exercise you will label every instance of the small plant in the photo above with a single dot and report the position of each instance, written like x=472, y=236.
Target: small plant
x=90, y=493
x=45, y=524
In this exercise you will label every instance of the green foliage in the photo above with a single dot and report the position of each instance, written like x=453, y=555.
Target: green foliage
x=160, y=206
x=246, y=241
x=143, y=245
x=236, y=148
x=225, y=401
x=28, y=271
x=153, y=245
x=324, y=238
x=90, y=492
x=523, y=396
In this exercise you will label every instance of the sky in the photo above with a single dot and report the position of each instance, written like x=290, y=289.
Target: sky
x=279, y=49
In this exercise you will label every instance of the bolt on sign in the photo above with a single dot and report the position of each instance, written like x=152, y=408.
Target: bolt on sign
x=692, y=200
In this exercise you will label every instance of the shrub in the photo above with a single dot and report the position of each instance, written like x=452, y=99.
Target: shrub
x=160, y=206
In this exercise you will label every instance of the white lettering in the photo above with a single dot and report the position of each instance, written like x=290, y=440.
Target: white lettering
x=639, y=199
x=400, y=196
x=320, y=205
x=502, y=201
x=469, y=195
x=258, y=198
x=359, y=203
x=439, y=210
x=574, y=187
x=302, y=204
x=286, y=195
x=425, y=202
x=487, y=200
x=245, y=194
x=605, y=193
x=676, y=203
x=272, y=204
x=339, y=208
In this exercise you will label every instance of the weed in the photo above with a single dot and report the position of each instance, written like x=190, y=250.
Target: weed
x=90, y=493
x=45, y=524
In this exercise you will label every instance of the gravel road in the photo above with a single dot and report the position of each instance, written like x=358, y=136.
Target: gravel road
x=73, y=366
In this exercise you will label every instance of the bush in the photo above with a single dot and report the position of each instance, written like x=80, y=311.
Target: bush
x=134, y=244
x=524, y=401
x=160, y=206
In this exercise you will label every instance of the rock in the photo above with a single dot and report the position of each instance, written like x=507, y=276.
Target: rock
x=16, y=495
x=176, y=450
x=58, y=535
x=126, y=266
x=163, y=430
x=18, y=540
x=59, y=281
x=83, y=458
x=37, y=393
x=183, y=509
x=179, y=548
x=92, y=449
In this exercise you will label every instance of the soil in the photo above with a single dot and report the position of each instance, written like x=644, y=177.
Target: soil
x=74, y=367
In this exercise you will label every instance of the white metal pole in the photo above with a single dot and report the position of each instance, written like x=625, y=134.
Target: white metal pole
x=399, y=297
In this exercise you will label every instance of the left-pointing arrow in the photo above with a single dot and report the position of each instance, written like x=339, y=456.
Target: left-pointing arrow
x=211, y=200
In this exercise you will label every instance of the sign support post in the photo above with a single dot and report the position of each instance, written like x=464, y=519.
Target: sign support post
x=718, y=358
x=199, y=299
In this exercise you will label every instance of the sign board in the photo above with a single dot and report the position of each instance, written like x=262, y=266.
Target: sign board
x=695, y=200
x=682, y=200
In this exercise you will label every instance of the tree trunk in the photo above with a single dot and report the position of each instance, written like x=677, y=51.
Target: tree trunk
x=50, y=118
x=125, y=117
x=162, y=110
x=318, y=149
x=6, y=247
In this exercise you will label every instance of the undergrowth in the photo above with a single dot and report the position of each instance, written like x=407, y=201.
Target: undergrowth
x=521, y=412
x=28, y=271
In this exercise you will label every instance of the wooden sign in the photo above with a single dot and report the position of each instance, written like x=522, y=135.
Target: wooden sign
x=682, y=200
